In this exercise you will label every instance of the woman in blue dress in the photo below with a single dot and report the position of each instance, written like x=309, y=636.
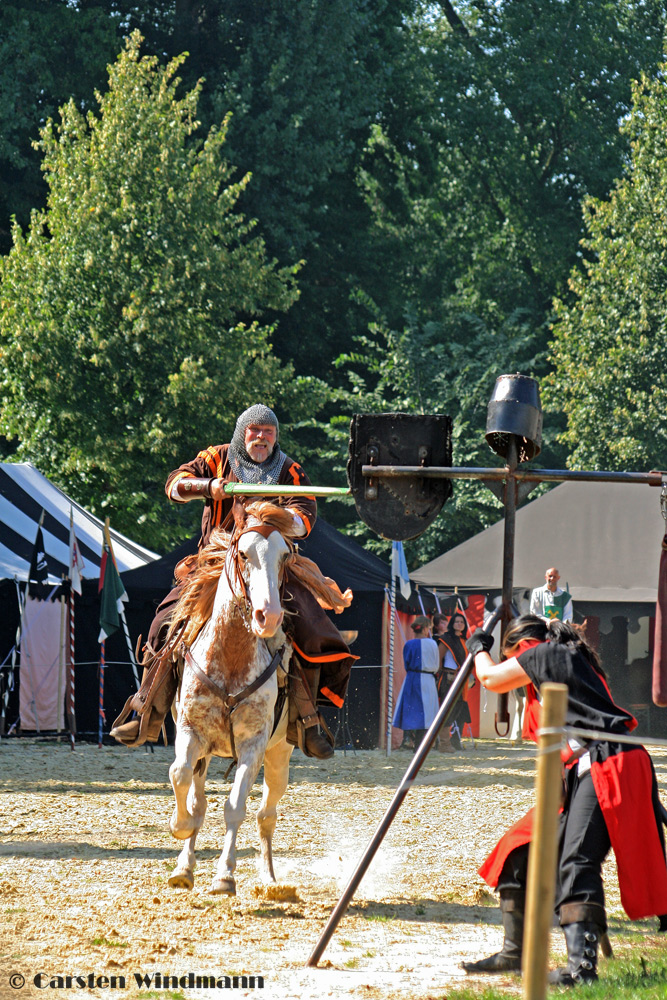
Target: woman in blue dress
x=417, y=704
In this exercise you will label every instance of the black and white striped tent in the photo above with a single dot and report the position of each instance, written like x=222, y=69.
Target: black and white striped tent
x=24, y=493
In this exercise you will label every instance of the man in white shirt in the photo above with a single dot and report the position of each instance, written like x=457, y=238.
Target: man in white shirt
x=550, y=601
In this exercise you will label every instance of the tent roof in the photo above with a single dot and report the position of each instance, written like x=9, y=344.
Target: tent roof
x=604, y=538
x=337, y=555
x=24, y=492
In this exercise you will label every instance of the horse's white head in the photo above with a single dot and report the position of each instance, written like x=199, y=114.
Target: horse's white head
x=260, y=554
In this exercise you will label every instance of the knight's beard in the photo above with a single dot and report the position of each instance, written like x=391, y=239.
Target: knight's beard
x=264, y=449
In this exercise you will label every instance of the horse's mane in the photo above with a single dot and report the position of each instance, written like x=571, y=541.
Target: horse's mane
x=325, y=590
x=198, y=595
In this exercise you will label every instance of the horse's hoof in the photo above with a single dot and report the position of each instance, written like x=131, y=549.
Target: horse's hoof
x=223, y=887
x=181, y=878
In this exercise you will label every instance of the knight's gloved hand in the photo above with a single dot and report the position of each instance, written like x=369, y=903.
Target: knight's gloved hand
x=479, y=642
x=299, y=526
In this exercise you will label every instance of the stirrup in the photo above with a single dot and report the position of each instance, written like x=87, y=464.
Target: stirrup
x=317, y=723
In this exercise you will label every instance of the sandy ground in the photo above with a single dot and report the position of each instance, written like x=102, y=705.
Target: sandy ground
x=85, y=854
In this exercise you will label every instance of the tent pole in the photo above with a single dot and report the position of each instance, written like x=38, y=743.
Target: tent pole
x=71, y=715
x=100, y=715
x=390, y=669
x=61, y=658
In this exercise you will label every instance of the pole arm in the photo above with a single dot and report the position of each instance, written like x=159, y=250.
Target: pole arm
x=257, y=489
x=653, y=478
x=107, y=539
x=445, y=711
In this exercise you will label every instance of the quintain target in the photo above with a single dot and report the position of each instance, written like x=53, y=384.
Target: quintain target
x=399, y=508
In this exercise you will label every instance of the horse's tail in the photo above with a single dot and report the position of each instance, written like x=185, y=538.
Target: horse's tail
x=325, y=590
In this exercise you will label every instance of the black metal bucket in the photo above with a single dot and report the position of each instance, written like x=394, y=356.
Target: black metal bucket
x=515, y=411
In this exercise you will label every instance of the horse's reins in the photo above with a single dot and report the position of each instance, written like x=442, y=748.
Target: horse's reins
x=230, y=701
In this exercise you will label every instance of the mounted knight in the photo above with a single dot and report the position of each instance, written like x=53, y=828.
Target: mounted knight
x=321, y=660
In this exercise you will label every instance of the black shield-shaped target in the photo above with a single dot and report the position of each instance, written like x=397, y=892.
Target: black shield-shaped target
x=399, y=507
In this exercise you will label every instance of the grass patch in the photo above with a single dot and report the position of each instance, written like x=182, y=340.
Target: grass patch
x=352, y=963
x=162, y=994
x=638, y=972
x=382, y=917
x=267, y=911
x=105, y=943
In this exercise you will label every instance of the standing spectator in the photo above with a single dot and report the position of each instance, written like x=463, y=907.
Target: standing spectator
x=452, y=640
x=443, y=681
x=550, y=601
x=417, y=704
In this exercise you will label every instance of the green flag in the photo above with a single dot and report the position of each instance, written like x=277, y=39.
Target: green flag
x=113, y=594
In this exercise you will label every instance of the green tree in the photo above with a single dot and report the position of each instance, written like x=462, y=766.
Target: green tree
x=609, y=349
x=130, y=324
x=50, y=51
x=518, y=102
x=304, y=83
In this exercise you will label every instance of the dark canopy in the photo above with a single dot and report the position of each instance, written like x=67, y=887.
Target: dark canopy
x=340, y=557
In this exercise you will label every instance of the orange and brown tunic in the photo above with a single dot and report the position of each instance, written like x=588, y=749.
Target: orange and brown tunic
x=317, y=641
x=213, y=463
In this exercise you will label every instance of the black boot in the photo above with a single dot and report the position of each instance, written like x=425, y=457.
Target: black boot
x=304, y=720
x=582, y=941
x=508, y=959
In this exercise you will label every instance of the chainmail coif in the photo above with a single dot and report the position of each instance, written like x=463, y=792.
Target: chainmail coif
x=245, y=469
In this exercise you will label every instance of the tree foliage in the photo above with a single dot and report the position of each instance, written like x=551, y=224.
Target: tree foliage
x=520, y=103
x=130, y=329
x=423, y=159
x=610, y=344
x=50, y=51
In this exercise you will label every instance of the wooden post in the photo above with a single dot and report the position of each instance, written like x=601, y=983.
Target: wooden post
x=543, y=854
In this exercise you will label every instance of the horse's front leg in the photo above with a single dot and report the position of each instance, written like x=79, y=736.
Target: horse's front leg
x=276, y=777
x=183, y=875
x=187, y=751
x=247, y=769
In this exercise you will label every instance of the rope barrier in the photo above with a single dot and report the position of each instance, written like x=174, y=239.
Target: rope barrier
x=594, y=734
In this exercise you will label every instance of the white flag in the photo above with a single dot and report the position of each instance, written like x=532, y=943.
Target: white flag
x=399, y=568
x=76, y=563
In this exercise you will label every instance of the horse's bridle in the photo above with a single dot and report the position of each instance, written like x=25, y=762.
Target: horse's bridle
x=233, y=554
x=230, y=701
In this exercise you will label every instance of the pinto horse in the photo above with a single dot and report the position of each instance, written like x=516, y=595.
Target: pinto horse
x=235, y=667
x=231, y=677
